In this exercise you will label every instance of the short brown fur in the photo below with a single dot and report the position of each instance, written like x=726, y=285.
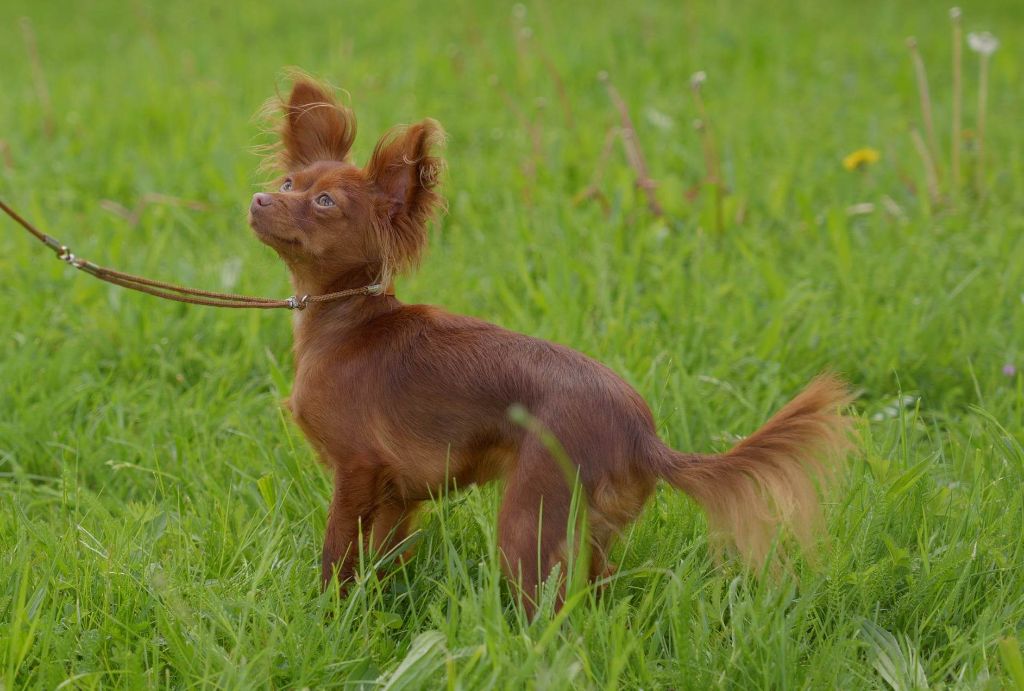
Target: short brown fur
x=399, y=400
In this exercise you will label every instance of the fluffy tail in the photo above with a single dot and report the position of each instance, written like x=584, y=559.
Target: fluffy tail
x=768, y=479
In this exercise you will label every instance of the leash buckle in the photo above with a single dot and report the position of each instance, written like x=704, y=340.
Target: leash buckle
x=297, y=303
x=65, y=254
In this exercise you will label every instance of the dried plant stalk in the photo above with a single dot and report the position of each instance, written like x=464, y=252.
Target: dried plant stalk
x=593, y=190
x=926, y=105
x=632, y=146
x=929, y=167
x=38, y=75
x=982, y=108
x=712, y=165
x=955, y=137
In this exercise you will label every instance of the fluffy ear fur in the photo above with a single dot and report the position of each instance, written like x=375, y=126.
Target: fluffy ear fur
x=315, y=127
x=405, y=172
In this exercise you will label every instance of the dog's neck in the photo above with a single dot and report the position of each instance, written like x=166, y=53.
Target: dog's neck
x=337, y=320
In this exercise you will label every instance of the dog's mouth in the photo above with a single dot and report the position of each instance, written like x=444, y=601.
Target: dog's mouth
x=277, y=239
x=268, y=236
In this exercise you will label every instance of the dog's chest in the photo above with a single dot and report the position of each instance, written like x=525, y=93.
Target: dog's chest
x=326, y=405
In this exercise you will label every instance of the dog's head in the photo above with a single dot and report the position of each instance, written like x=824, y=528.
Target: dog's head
x=332, y=218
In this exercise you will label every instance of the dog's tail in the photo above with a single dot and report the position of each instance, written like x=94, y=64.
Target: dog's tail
x=768, y=479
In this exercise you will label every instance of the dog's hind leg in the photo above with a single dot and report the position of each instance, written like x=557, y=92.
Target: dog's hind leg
x=533, y=522
x=614, y=504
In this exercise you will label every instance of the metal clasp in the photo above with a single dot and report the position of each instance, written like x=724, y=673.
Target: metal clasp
x=297, y=303
x=66, y=255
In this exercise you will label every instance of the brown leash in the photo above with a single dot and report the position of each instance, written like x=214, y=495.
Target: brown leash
x=170, y=291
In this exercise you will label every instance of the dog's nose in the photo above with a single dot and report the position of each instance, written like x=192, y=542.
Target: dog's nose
x=261, y=199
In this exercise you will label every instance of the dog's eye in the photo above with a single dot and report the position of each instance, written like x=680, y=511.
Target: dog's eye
x=324, y=200
x=287, y=185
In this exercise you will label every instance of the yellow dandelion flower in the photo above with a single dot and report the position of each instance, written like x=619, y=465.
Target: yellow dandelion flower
x=861, y=158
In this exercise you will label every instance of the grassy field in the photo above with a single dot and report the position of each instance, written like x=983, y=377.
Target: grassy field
x=160, y=517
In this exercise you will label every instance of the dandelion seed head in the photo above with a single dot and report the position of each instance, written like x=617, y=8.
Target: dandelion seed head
x=659, y=119
x=955, y=13
x=698, y=78
x=982, y=42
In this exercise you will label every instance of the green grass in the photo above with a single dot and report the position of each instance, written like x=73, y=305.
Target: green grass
x=160, y=519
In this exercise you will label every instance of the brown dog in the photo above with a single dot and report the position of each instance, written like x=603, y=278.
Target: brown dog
x=399, y=400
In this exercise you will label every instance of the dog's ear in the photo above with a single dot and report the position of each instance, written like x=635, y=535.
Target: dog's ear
x=315, y=127
x=405, y=173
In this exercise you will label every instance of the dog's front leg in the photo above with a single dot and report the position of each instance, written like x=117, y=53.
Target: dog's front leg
x=351, y=512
